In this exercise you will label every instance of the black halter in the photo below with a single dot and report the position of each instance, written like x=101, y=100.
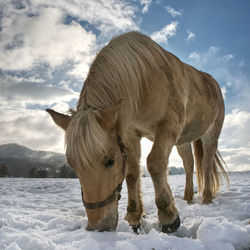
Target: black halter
x=117, y=194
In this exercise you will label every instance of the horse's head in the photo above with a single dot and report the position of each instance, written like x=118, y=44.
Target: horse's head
x=95, y=151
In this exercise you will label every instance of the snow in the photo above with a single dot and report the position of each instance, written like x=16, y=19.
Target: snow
x=48, y=214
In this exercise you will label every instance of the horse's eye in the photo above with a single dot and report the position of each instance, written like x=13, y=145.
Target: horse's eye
x=110, y=162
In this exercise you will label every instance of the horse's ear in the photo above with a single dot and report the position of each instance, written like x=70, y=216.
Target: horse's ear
x=60, y=119
x=108, y=115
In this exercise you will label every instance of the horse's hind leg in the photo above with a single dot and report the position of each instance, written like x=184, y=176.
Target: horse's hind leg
x=209, y=150
x=135, y=206
x=209, y=168
x=185, y=152
x=157, y=161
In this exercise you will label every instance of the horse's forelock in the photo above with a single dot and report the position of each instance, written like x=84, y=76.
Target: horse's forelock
x=86, y=141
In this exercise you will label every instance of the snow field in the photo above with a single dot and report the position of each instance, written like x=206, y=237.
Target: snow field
x=48, y=214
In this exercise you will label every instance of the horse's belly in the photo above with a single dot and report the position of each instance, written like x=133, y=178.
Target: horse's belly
x=145, y=132
x=192, y=132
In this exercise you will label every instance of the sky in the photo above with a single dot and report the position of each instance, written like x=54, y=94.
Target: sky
x=46, y=48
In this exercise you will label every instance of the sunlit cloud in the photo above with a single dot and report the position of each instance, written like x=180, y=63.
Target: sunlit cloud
x=44, y=39
x=224, y=91
x=146, y=4
x=235, y=140
x=32, y=128
x=195, y=56
x=165, y=33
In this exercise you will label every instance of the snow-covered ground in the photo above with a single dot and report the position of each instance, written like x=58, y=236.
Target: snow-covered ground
x=48, y=214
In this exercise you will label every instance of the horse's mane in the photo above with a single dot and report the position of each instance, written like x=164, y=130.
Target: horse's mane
x=85, y=139
x=120, y=71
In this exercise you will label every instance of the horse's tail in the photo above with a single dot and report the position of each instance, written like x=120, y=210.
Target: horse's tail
x=218, y=168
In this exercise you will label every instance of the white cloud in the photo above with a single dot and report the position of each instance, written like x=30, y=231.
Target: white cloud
x=146, y=4
x=224, y=91
x=109, y=16
x=200, y=60
x=237, y=159
x=31, y=128
x=22, y=92
x=190, y=36
x=238, y=120
x=173, y=12
x=236, y=130
x=35, y=32
x=165, y=33
x=61, y=107
x=235, y=140
x=45, y=39
x=194, y=55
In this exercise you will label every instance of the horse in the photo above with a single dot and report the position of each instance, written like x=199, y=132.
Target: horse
x=134, y=89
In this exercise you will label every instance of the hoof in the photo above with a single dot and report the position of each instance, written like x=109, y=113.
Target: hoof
x=136, y=228
x=170, y=228
x=188, y=196
x=207, y=201
x=188, y=200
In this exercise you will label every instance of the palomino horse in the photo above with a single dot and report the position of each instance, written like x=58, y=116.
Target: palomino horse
x=136, y=89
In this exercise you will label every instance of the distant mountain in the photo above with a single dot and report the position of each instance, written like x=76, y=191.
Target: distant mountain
x=20, y=159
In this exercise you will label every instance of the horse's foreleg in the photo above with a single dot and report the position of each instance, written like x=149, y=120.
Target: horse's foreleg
x=157, y=162
x=185, y=152
x=135, y=206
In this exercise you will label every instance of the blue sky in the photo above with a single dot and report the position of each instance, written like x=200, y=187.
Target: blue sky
x=46, y=48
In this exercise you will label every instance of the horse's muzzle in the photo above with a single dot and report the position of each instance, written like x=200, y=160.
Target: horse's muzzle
x=107, y=224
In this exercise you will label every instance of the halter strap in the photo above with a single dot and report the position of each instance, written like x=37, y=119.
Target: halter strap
x=117, y=194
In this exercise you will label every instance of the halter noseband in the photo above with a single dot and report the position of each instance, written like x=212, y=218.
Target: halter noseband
x=117, y=194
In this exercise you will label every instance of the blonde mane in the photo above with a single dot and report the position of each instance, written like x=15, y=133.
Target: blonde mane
x=120, y=71
x=85, y=139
